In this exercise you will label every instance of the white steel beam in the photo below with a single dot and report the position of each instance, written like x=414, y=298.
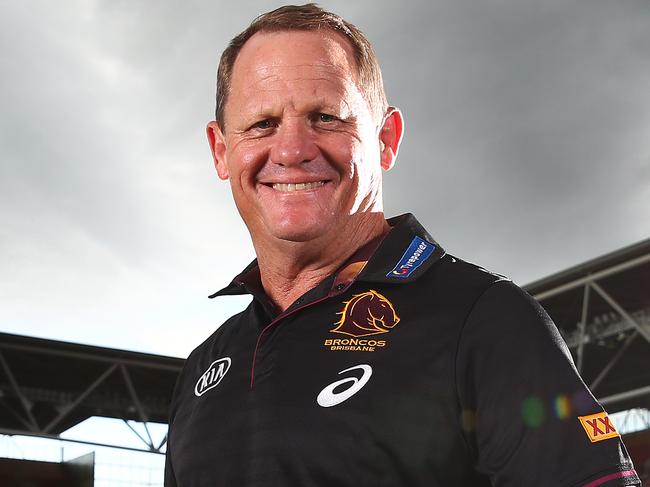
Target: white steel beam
x=136, y=401
x=619, y=353
x=583, y=325
x=593, y=277
x=21, y=397
x=644, y=333
x=79, y=398
x=641, y=391
x=10, y=432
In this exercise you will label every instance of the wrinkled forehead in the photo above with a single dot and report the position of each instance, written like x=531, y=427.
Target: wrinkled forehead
x=276, y=55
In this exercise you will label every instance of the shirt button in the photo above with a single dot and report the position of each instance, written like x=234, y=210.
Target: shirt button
x=340, y=287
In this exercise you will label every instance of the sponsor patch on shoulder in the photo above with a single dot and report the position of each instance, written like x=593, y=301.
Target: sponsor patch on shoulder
x=598, y=427
x=417, y=252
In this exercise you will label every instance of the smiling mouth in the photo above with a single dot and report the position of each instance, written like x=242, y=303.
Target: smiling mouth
x=291, y=187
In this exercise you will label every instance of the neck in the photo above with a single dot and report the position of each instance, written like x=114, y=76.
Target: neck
x=290, y=269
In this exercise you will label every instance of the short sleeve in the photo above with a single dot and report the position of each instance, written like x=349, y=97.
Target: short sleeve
x=522, y=398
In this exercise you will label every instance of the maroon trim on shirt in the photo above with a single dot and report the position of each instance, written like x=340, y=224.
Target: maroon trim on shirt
x=607, y=478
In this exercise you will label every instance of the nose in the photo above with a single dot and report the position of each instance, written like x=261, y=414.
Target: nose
x=293, y=143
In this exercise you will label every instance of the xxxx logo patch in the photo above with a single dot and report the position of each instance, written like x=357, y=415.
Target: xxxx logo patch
x=598, y=427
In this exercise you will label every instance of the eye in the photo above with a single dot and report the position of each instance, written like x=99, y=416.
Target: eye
x=326, y=118
x=263, y=124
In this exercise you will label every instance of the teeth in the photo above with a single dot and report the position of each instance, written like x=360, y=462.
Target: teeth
x=289, y=187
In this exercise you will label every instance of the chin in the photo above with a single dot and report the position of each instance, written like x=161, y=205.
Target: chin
x=299, y=229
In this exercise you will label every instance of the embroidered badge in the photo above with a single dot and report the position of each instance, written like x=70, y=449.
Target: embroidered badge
x=417, y=252
x=212, y=376
x=598, y=427
x=366, y=314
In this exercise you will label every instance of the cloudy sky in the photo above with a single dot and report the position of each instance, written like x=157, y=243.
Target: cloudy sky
x=527, y=150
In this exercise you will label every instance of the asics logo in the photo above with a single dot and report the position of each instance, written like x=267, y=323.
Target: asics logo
x=328, y=397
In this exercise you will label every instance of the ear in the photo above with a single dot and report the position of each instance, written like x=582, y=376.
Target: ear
x=390, y=136
x=218, y=148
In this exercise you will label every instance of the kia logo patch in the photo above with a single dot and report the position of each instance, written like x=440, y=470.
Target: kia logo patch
x=211, y=377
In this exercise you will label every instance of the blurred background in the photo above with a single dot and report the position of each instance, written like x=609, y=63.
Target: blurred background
x=526, y=150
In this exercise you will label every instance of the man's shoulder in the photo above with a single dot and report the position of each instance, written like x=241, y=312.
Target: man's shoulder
x=470, y=270
x=223, y=331
x=204, y=354
x=457, y=275
x=486, y=292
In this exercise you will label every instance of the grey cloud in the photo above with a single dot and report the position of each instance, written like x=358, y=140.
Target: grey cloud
x=526, y=123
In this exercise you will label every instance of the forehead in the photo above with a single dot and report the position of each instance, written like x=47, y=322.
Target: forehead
x=288, y=55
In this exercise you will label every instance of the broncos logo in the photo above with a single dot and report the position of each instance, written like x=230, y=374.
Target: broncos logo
x=365, y=314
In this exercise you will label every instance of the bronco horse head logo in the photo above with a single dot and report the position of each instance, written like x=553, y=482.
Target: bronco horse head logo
x=365, y=314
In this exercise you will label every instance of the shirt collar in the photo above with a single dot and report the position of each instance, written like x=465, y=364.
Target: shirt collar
x=399, y=257
x=404, y=255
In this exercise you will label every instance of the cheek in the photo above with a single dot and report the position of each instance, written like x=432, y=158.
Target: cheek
x=250, y=159
x=247, y=159
x=346, y=152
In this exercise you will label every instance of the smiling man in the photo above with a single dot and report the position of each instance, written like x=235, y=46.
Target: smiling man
x=295, y=138
x=368, y=355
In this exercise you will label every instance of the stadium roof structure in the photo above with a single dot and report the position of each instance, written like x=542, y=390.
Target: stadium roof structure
x=48, y=386
x=602, y=308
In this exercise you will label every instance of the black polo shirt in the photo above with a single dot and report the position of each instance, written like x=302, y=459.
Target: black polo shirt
x=408, y=367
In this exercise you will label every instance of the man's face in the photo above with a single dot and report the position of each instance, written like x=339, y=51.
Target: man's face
x=300, y=146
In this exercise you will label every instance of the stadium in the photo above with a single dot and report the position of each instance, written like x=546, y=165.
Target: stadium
x=47, y=387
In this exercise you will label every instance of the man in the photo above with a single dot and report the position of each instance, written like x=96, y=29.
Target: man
x=368, y=356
